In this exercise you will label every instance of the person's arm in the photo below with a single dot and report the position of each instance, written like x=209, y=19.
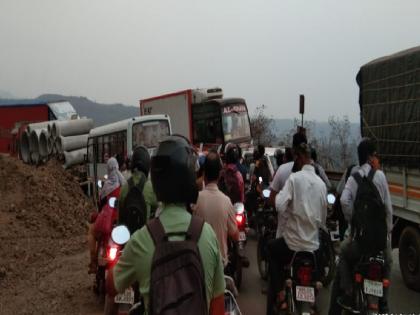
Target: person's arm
x=217, y=305
x=324, y=177
x=275, y=187
x=387, y=199
x=233, y=231
x=347, y=198
x=285, y=196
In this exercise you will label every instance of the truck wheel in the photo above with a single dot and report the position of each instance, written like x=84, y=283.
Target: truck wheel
x=409, y=257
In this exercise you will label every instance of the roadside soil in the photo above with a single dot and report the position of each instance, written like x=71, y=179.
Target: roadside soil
x=43, y=248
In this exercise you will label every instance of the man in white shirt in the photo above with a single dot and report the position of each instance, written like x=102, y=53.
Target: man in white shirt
x=303, y=204
x=350, y=249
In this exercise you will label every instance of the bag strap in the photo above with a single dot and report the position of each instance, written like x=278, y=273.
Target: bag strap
x=156, y=230
x=195, y=228
x=371, y=174
x=358, y=178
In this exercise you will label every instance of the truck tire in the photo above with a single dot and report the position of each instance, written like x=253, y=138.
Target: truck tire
x=409, y=257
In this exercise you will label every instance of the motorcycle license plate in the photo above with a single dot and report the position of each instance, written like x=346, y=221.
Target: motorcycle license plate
x=242, y=236
x=373, y=288
x=125, y=298
x=305, y=294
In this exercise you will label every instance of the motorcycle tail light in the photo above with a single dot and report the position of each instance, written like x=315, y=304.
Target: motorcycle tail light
x=373, y=306
x=386, y=283
x=239, y=219
x=375, y=272
x=112, y=254
x=304, y=275
x=358, y=278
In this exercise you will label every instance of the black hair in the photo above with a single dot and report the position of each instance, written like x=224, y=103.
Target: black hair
x=299, y=138
x=314, y=155
x=261, y=150
x=366, y=148
x=288, y=154
x=212, y=166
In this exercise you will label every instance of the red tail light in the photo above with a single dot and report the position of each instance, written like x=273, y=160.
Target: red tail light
x=375, y=272
x=304, y=275
x=112, y=253
x=239, y=219
x=358, y=278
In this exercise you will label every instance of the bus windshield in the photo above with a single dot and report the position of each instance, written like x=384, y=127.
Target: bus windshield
x=235, y=122
x=150, y=133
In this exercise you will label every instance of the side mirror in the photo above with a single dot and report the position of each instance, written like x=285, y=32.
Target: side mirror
x=266, y=193
x=120, y=235
x=112, y=202
x=331, y=199
x=99, y=183
x=239, y=208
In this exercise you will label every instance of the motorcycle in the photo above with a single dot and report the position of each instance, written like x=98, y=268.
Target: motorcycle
x=126, y=302
x=231, y=306
x=369, y=284
x=107, y=254
x=266, y=230
x=301, y=285
x=236, y=257
x=329, y=243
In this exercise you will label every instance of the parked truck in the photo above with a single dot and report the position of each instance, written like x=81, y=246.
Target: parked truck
x=390, y=114
x=203, y=116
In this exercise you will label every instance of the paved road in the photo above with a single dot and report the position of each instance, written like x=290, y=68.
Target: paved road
x=252, y=301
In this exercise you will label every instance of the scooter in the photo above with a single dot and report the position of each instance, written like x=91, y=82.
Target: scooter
x=123, y=303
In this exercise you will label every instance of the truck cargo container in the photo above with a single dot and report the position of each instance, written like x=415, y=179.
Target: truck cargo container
x=203, y=116
x=390, y=114
x=16, y=114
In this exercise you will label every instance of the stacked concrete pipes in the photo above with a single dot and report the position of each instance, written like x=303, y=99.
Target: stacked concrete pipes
x=65, y=140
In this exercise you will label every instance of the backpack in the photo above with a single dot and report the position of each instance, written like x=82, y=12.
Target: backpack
x=177, y=283
x=229, y=184
x=133, y=211
x=368, y=223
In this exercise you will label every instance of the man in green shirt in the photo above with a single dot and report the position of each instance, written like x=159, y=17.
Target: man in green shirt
x=173, y=178
x=139, y=166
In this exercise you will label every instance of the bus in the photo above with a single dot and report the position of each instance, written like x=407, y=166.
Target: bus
x=119, y=139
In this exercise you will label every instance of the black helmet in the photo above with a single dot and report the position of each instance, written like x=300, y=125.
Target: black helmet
x=140, y=160
x=231, y=153
x=173, y=171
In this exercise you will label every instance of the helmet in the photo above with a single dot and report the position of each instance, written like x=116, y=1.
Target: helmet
x=231, y=153
x=173, y=171
x=141, y=160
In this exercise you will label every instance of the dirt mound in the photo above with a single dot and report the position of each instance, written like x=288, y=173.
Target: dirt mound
x=43, y=220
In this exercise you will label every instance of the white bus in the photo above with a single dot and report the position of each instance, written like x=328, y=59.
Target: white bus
x=119, y=139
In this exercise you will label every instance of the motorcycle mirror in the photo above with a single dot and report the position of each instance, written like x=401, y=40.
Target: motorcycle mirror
x=239, y=208
x=99, y=183
x=112, y=202
x=331, y=199
x=120, y=235
x=266, y=193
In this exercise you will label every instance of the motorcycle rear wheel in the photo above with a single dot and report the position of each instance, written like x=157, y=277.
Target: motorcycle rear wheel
x=262, y=258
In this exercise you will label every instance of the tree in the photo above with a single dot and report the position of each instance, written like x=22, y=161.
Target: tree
x=340, y=135
x=261, y=127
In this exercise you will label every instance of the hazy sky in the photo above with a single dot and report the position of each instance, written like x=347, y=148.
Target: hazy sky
x=265, y=51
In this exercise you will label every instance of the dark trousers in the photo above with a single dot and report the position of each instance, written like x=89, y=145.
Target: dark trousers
x=279, y=256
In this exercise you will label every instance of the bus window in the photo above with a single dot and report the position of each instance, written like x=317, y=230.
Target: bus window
x=235, y=122
x=150, y=133
x=206, y=123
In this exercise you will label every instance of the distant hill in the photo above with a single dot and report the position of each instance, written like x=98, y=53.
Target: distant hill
x=102, y=114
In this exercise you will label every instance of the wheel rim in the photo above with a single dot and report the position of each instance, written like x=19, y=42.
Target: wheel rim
x=412, y=259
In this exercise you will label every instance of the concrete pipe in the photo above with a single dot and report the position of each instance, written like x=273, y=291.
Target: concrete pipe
x=25, y=152
x=72, y=142
x=39, y=125
x=43, y=145
x=71, y=127
x=74, y=157
x=50, y=144
x=34, y=145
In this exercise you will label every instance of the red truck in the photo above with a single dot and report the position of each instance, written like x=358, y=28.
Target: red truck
x=203, y=116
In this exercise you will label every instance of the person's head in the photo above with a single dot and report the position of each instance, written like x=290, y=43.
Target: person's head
x=261, y=150
x=303, y=155
x=140, y=160
x=366, y=151
x=231, y=153
x=173, y=171
x=112, y=165
x=256, y=155
x=298, y=138
x=314, y=156
x=212, y=167
x=279, y=156
x=288, y=155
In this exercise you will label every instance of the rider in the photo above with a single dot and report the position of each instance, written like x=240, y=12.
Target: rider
x=111, y=188
x=215, y=207
x=139, y=166
x=319, y=169
x=231, y=181
x=173, y=178
x=350, y=249
x=303, y=205
x=261, y=167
